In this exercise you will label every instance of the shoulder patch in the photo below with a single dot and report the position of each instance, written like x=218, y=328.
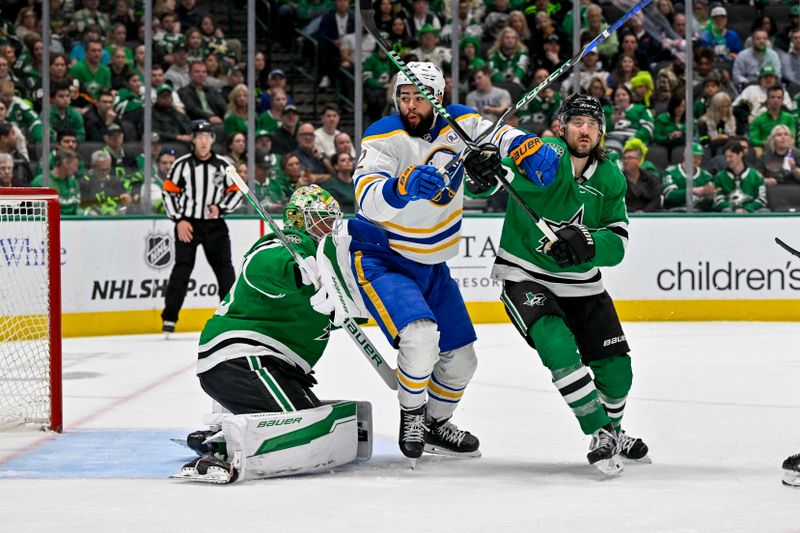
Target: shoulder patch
x=559, y=149
x=291, y=237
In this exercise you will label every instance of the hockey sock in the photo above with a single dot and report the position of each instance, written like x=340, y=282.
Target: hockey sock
x=559, y=353
x=613, y=377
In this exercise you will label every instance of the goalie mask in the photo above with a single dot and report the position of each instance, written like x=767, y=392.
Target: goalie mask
x=428, y=74
x=312, y=210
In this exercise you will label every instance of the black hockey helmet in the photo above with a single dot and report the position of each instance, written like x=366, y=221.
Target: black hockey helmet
x=201, y=126
x=582, y=105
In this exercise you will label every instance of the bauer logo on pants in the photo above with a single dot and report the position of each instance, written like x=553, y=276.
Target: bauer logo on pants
x=158, y=250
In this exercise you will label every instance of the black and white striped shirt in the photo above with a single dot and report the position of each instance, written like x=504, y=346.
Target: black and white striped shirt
x=194, y=185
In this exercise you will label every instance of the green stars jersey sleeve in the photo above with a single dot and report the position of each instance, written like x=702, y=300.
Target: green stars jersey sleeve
x=267, y=311
x=598, y=202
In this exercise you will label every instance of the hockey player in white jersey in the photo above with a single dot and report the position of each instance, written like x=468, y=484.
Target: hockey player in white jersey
x=408, y=225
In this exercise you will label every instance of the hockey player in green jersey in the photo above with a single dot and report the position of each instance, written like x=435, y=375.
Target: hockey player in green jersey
x=673, y=185
x=257, y=352
x=553, y=292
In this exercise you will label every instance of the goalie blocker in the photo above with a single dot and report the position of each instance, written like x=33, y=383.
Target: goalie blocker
x=266, y=445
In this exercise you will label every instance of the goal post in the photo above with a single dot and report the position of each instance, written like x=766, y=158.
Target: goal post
x=30, y=309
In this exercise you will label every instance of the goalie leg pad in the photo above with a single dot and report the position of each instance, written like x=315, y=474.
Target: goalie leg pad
x=265, y=445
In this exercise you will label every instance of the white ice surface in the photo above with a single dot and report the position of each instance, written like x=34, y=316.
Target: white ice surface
x=717, y=403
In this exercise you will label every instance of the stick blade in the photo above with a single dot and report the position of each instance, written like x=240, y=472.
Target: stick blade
x=786, y=247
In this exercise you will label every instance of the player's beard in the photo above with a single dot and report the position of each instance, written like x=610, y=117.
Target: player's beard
x=573, y=150
x=420, y=129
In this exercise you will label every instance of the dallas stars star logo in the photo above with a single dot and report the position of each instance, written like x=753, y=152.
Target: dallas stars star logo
x=577, y=218
x=326, y=333
x=534, y=299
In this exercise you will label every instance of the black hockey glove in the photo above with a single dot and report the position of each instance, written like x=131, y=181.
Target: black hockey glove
x=482, y=168
x=574, y=246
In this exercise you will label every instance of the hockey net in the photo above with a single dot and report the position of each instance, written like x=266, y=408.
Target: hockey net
x=30, y=309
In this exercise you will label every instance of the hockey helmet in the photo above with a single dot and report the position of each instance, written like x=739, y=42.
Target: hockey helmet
x=312, y=210
x=582, y=105
x=202, y=126
x=428, y=74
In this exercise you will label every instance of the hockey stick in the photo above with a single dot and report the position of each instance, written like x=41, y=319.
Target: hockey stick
x=788, y=248
x=368, y=18
x=567, y=65
x=386, y=372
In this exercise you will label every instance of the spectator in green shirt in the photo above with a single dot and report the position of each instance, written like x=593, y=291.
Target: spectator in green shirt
x=92, y=75
x=63, y=180
x=763, y=124
x=236, y=117
x=62, y=115
x=340, y=183
x=270, y=120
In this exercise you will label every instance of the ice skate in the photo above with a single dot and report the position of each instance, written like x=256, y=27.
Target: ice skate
x=603, y=451
x=444, y=438
x=208, y=469
x=168, y=328
x=632, y=448
x=196, y=440
x=791, y=474
x=412, y=432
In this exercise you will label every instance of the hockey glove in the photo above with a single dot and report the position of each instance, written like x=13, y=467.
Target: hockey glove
x=538, y=161
x=482, y=169
x=420, y=182
x=322, y=302
x=309, y=271
x=574, y=246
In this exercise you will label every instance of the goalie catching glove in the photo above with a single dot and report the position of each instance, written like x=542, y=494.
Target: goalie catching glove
x=574, y=246
x=482, y=167
x=538, y=161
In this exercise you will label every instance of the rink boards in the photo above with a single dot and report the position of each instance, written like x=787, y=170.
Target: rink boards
x=114, y=271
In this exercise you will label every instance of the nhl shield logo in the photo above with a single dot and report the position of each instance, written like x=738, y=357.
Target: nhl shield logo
x=158, y=250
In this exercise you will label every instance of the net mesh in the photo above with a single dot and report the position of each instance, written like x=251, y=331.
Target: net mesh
x=24, y=314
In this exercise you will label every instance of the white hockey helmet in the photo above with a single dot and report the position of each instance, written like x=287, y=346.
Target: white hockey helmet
x=429, y=74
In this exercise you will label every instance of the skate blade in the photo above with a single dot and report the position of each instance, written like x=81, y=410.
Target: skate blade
x=216, y=476
x=642, y=460
x=791, y=479
x=436, y=450
x=610, y=467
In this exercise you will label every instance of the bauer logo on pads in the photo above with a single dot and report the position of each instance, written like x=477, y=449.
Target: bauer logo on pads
x=158, y=250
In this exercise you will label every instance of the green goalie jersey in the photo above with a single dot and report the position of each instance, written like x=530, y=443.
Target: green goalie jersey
x=266, y=313
x=597, y=200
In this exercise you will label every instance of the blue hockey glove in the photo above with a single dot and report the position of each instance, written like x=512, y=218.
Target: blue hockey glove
x=536, y=160
x=421, y=182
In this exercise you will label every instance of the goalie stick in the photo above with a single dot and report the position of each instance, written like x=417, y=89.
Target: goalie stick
x=376, y=360
x=368, y=18
x=788, y=248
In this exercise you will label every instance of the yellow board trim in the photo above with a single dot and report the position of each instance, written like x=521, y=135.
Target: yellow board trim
x=129, y=322
x=672, y=311
x=134, y=322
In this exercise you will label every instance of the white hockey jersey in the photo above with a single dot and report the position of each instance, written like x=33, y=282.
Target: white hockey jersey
x=425, y=231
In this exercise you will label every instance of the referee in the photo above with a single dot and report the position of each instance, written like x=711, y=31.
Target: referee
x=196, y=195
